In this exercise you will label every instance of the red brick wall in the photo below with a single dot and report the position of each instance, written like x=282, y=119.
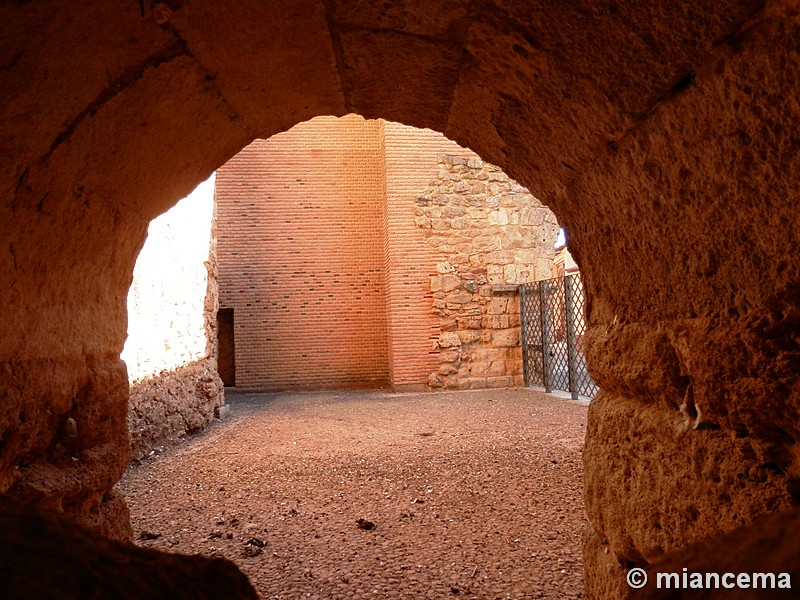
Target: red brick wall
x=321, y=259
x=411, y=165
x=300, y=242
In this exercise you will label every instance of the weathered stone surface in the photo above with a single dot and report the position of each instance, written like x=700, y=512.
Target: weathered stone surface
x=168, y=406
x=769, y=547
x=449, y=340
x=485, y=244
x=46, y=556
x=695, y=432
x=46, y=462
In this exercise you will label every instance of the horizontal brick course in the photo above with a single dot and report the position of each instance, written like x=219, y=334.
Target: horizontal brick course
x=300, y=245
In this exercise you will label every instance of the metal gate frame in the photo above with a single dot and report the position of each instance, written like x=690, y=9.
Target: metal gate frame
x=553, y=324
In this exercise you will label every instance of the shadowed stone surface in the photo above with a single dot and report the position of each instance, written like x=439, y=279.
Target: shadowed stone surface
x=46, y=556
x=771, y=545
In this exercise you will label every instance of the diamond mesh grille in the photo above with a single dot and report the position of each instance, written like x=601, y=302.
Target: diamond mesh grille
x=553, y=329
x=531, y=319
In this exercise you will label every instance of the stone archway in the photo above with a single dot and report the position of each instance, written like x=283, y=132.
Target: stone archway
x=662, y=136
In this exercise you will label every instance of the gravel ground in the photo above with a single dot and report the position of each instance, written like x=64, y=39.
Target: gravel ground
x=377, y=495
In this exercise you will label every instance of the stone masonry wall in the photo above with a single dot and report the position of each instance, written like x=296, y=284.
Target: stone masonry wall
x=495, y=235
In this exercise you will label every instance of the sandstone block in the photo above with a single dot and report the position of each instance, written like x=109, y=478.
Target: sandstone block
x=459, y=297
x=499, y=257
x=470, y=335
x=450, y=282
x=450, y=355
x=448, y=339
x=499, y=382
x=451, y=212
x=423, y=222
x=447, y=369
x=497, y=368
x=469, y=323
x=452, y=159
x=448, y=324
x=472, y=383
x=526, y=256
x=435, y=381
x=498, y=217
x=449, y=382
x=497, y=306
x=444, y=267
x=487, y=243
x=505, y=338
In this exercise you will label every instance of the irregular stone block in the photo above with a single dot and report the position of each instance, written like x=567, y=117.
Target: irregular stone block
x=504, y=338
x=499, y=382
x=449, y=340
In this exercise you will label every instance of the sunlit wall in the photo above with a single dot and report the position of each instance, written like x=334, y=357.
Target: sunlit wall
x=166, y=299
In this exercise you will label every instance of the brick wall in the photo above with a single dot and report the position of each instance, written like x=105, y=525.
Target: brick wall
x=300, y=230
x=411, y=165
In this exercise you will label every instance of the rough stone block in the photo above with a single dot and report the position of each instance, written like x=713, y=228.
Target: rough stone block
x=448, y=339
x=450, y=282
x=497, y=306
x=505, y=338
x=435, y=381
x=499, y=382
x=498, y=368
x=459, y=297
x=469, y=323
x=479, y=368
x=469, y=336
x=423, y=222
x=452, y=212
x=448, y=324
x=447, y=369
x=472, y=383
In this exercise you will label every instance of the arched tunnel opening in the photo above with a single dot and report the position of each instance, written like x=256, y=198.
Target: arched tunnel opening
x=662, y=136
x=470, y=493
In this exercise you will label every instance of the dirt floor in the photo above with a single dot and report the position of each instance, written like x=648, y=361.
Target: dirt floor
x=376, y=495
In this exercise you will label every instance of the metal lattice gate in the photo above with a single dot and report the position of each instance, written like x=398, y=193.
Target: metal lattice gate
x=553, y=326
